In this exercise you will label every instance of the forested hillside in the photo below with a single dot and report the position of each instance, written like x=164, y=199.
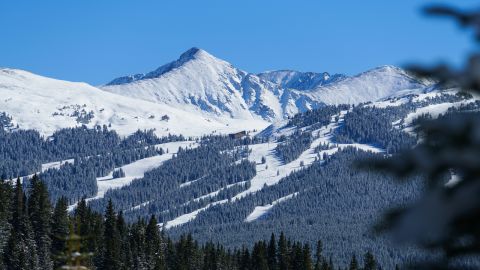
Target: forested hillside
x=34, y=235
x=298, y=177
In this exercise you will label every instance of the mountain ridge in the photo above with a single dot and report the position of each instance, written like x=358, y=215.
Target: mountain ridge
x=47, y=105
x=200, y=82
x=198, y=92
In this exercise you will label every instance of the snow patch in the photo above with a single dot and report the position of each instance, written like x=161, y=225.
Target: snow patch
x=260, y=211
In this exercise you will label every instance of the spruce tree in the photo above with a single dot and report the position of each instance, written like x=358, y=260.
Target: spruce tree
x=111, y=260
x=210, y=258
x=137, y=245
x=190, y=252
x=297, y=256
x=259, y=256
x=124, y=252
x=330, y=264
x=170, y=255
x=39, y=212
x=283, y=253
x=353, y=263
x=72, y=258
x=60, y=227
x=307, y=258
x=318, y=255
x=369, y=262
x=153, y=245
x=20, y=252
x=245, y=263
x=272, y=253
x=5, y=216
x=325, y=265
x=89, y=226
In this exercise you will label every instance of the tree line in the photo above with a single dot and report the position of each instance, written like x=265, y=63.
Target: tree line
x=23, y=152
x=34, y=234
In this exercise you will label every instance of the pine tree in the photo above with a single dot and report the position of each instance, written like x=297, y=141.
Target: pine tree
x=137, y=245
x=21, y=250
x=330, y=264
x=272, y=253
x=245, y=260
x=307, y=258
x=39, y=212
x=369, y=262
x=60, y=227
x=325, y=265
x=153, y=245
x=297, y=256
x=210, y=258
x=170, y=255
x=189, y=252
x=283, y=263
x=318, y=255
x=111, y=260
x=353, y=263
x=73, y=258
x=5, y=216
x=89, y=226
x=259, y=256
x=82, y=218
x=124, y=251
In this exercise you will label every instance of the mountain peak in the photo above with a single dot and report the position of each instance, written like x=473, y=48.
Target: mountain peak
x=390, y=69
x=191, y=54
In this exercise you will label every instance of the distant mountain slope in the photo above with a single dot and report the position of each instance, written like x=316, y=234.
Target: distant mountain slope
x=196, y=94
x=371, y=85
x=200, y=82
x=300, y=80
x=46, y=105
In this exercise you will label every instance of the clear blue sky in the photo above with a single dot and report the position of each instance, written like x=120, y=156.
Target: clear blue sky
x=97, y=40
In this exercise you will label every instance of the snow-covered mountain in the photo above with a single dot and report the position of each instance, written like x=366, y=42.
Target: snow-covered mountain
x=300, y=80
x=46, y=105
x=371, y=85
x=194, y=95
x=200, y=82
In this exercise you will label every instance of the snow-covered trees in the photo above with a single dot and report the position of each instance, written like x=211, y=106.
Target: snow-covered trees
x=40, y=214
x=217, y=165
x=95, y=241
x=370, y=125
x=293, y=146
x=336, y=203
x=317, y=118
x=118, y=173
x=21, y=249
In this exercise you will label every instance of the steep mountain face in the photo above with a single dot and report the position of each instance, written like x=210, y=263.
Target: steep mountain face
x=300, y=80
x=47, y=105
x=200, y=82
